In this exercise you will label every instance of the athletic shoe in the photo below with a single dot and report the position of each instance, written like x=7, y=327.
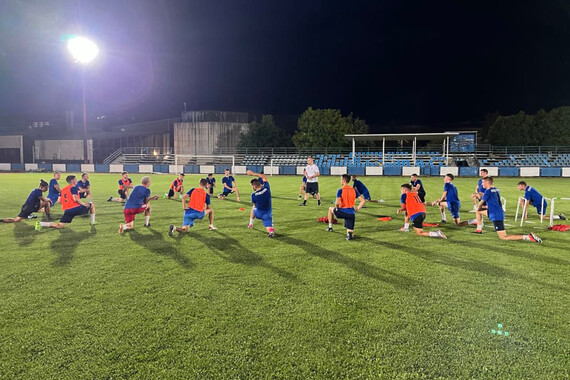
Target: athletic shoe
x=381, y=201
x=32, y=216
x=94, y=223
x=121, y=228
x=348, y=236
x=303, y=204
x=440, y=234
x=170, y=230
x=329, y=229
x=443, y=221
x=473, y=210
x=165, y=195
x=271, y=234
x=110, y=199
x=478, y=232
x=534, y=238
x=212, y=228
x=404, y=229
x=562, y=217
x=250, y=226
x=147, y=225
x=38, y=226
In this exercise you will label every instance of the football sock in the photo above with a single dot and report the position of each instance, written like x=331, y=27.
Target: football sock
x=555, y=217
x=479, y=227
x=433, y=234
x=526, y=237
x=125, y=227
x=305, y=202
x=92, y=218
x=406, y=226
x=330, y=224
x=472, y=222
x=45, y=224
x=147, y=219
x=250, y=221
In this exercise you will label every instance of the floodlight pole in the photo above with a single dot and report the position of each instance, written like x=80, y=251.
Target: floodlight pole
x=85, y=150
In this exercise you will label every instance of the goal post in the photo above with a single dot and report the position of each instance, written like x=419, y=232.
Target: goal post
x=181, y=160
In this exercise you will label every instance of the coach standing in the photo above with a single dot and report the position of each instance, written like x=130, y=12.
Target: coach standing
x=312, y=174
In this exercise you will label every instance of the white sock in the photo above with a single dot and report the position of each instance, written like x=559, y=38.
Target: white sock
x=443, y=215
x=479, y=227
x=147, y=219
x=330, y=224
x=472, y=222
x=556, y=217
x=433, y=234
x=92, y=218
x=250, y=221
x=526, y=237
x=45, y=224
x=406, y=226
x=125, y=227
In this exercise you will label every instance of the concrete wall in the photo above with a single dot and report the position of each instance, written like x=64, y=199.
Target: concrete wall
x=205, y=137
x=13, y=142
x=65, y=150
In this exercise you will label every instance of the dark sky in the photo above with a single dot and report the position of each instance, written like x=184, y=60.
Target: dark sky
x=389, y=62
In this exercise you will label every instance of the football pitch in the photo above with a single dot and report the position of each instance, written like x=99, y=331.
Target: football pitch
x=86, y=302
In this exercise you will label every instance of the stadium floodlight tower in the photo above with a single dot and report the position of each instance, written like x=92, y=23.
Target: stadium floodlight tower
x=83, y=51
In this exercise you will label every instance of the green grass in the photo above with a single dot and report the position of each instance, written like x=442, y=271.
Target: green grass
x=86, y=302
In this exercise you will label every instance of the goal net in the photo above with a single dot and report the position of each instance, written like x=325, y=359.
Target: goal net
x=180, y=160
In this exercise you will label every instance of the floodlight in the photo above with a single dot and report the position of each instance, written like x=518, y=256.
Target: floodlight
x=82, y=49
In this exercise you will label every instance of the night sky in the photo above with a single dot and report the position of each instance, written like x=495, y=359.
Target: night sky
x=389, y=62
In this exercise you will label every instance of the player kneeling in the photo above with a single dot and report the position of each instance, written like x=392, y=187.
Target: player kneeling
x=344, y=206
x=72, y=206
x=261, y=199
x=138, y=203
x=413, y=205
x=197, y=207
x=495, y=213
x=34, y=203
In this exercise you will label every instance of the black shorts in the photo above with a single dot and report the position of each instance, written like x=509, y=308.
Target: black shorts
x=28, y=209
x=122, y=194
x=71, y=213
x=422, y=195
x=499, y=225
x=211, y=190
x=349, y=218
x=312, y=188
x=418, y=221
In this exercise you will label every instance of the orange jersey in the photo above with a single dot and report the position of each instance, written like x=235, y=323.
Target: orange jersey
x=197, y=199
x=414, y=204
x=124, y=183
x=67, y=201
x=177, y=184
x=347, y=196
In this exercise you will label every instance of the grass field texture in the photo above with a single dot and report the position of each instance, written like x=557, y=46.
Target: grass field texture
x=86, y=302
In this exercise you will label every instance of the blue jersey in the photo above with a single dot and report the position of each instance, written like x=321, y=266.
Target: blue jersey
x=52, y=192
x=138, y=196
x=492, y=197
x=531, y=194
x=451, y=193
x=83, y=185
x=480, y=188
x=228, y=181
x=211, y=181
x=416, y=183
x=34, y=197
x=304, y=179
x=403, y=198
x=359, y=186
x=262, y=197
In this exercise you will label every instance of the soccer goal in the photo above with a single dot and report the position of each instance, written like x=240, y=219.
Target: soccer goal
x=525, y=209
x=208, y=161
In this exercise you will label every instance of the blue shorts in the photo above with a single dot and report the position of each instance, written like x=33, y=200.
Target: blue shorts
x=366, y=195
x=265, y=216
x=347, y=216
x=53, y=200
x=71, y=213
x=82, y=195
x=539, y=207
x=189, y=217
x=454, y=209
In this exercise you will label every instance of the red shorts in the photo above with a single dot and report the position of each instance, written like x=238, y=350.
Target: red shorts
x=131, y=212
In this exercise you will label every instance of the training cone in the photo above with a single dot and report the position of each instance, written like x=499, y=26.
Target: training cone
x=241, y=209
x=384, y=218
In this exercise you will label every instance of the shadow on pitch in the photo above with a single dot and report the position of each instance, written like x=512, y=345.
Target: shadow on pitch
x=358, y=266
x=66, y=244
x=466, y=264
x=155, y=243
x=232, y=251
x=24, y=234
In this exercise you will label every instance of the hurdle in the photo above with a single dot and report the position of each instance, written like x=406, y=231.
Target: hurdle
x=504, y=204
x=525, y=208
x=552, y=209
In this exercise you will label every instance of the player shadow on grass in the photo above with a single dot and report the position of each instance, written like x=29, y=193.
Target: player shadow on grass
x=24, y=234
x=467, y=264
x=232, y=251
x=359, y=266
x=66, y=244
x=155, y=243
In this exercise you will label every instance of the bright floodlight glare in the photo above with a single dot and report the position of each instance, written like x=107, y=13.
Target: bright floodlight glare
x=82, y=49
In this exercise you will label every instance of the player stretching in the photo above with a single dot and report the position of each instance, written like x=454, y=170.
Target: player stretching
x=211, y=183
x=494, y=211
x=84, y=187
x=344, y=206
x=303, y=184
x=125, y=184
x=261, y=199
x=450, y=199
x=177, y=186
x=412, y=204
x=230, y=186
x=198, y=206
x=418, y=186
x=479, y=190
x=54, y=189
x=34, y=203
x=363, y=190
x=138, y=203
x=72, y=206
x=536, y=199
x=312, y=174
